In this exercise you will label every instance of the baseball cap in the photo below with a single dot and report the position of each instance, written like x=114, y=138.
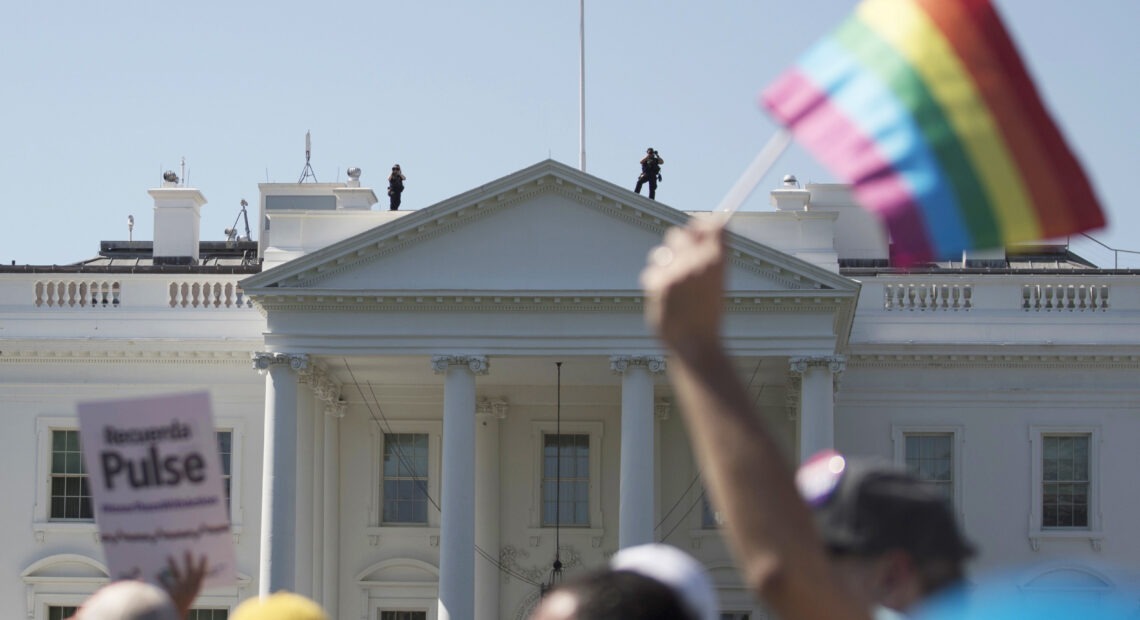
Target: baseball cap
x=676, y=569
x=866, y=507
x=279, y=606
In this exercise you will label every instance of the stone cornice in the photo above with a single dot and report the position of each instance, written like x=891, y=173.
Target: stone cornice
x=624, y=301
x=835, y=363
x=955, y=360
x=23, y=356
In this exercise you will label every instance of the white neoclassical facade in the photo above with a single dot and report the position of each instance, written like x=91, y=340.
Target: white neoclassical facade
x=400, y=396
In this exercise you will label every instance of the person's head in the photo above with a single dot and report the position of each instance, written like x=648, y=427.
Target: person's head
x=641, y=583
x=650, y=151
x=890, y=536
x=128, y=600
x=396, y=168
x=279, y=606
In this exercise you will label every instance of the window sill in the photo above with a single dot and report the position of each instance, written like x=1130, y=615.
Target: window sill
x=1095, y=537
x=41, y=529
x=566, y=532
x=428, y=534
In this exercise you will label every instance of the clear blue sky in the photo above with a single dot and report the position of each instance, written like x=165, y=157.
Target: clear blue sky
x=100, y=97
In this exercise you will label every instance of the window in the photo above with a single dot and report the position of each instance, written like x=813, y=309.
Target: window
x=566, y=480
x=226, y=455
x=70, y=494
x=63, y=503
x=581, y=470
x=930, y=456
x=60, y=612
x=208, y=614
x=1065, y=481
x=405, y=479
x=1066, y=497
x=403, y=615
x=735, y=615
x=933, y=453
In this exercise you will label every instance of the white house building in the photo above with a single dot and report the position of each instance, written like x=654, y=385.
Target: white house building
x=432, y=377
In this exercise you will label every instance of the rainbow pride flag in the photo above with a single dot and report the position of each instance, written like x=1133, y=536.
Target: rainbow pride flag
x=925, y=107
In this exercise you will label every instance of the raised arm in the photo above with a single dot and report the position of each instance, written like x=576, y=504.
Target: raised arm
x=769, y=528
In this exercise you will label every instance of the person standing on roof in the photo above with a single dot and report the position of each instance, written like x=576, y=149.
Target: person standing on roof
x=650, y=172
x=395, y=187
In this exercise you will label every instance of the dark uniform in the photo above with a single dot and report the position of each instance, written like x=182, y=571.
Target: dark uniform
x=395, y=187
x=650, y=172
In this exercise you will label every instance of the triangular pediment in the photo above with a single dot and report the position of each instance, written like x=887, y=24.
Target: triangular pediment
x=545, y=229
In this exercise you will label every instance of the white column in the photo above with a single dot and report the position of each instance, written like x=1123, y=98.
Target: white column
x=457, y=496
x=636, y=503
x=330, y=549
x=279, y=470
x=487, y=416
x=817, y=401
x=304, y=489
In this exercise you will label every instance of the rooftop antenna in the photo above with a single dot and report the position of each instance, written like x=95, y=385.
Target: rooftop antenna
x=307, y=171
x=231, y=233
x=582, y=85
x=185, y=181
x=130, y=229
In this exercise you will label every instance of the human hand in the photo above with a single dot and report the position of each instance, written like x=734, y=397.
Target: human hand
x=185, y=583
x=684, y=285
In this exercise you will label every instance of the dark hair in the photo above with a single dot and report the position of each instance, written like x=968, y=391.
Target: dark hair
x=624, y=595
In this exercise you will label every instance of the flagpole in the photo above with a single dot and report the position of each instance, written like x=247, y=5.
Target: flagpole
x=582, y=85
x=754, y=173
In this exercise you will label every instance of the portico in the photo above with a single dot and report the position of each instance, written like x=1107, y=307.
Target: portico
x=442, y=328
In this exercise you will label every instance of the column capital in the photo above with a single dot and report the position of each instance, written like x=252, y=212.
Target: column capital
x=262, y=360
x=620, y=363
x=835, y=363
x=335, y=409
x=477, y=364
x=487, y=409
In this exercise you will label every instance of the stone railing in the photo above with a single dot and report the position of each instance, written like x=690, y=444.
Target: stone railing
x=928, y=297
x=1064, y=297
x=77, y=294
x=207, y=295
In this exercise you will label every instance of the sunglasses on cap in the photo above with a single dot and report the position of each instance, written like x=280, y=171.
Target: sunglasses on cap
x=819, y=477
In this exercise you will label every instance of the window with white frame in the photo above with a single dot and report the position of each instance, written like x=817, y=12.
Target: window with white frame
x=226, y=456
x=1065, y=483
x=60, y=612
x=566, y=480
x=208, y=614
x=1066, y=463
x=402, y=615
x=65, y=501
x=405, y=479
x=70, y=494
x=576, y=502
x=406, y=465
x=930, y=456
x=934, y=454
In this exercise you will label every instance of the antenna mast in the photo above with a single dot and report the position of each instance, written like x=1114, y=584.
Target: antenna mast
x=307, y=171
x=582, y=85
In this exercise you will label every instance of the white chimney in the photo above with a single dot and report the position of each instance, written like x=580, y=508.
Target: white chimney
x=177, y=222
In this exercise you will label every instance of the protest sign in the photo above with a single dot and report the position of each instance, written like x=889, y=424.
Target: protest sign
x=156, y=485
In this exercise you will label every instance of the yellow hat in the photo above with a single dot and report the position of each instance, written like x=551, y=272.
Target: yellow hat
x=279, y=606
